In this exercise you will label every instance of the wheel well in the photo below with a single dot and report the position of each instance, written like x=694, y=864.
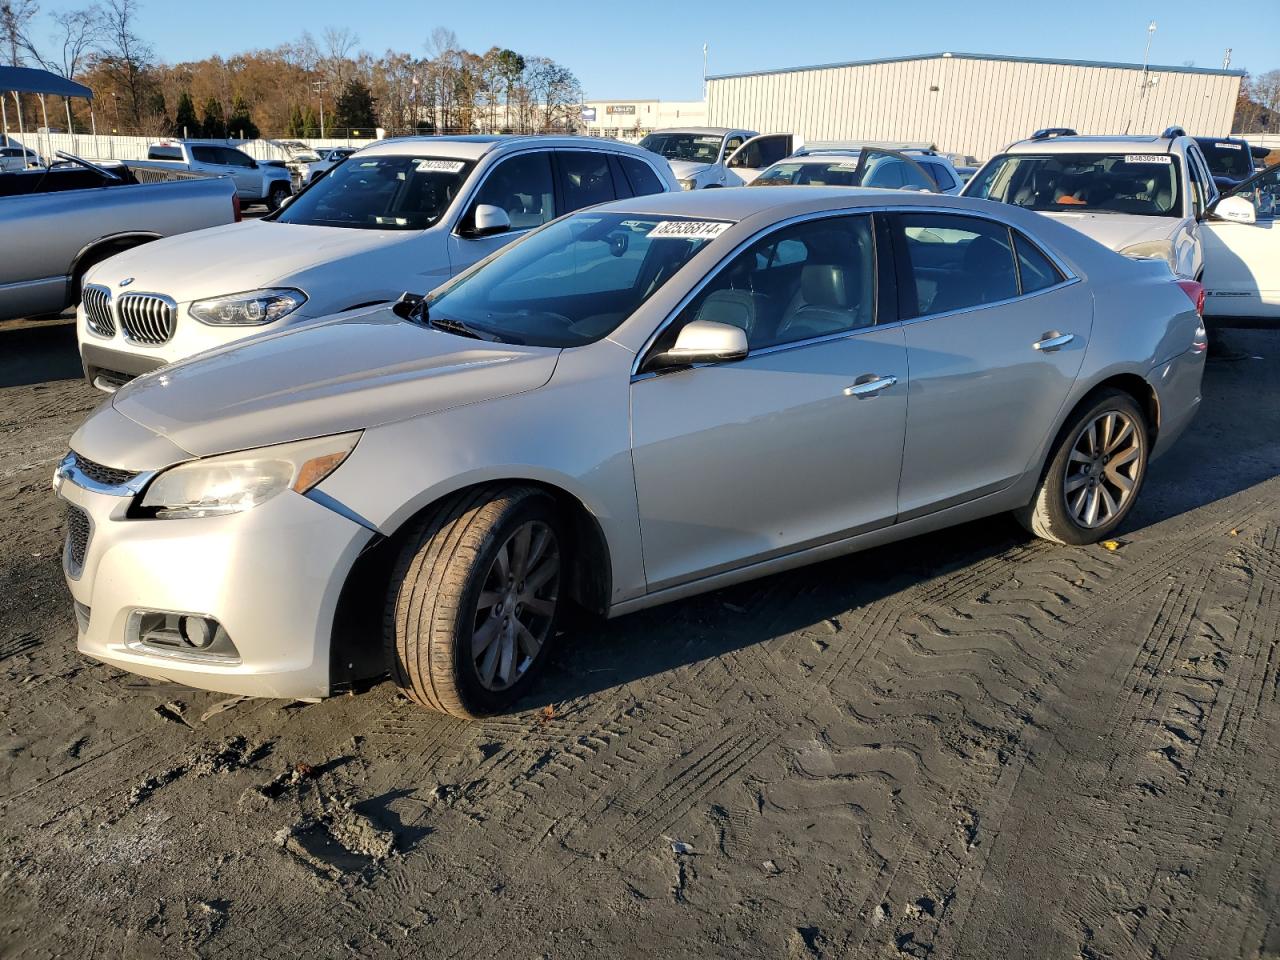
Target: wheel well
x=101, y=251
x=1141, y=391
x=356, y=647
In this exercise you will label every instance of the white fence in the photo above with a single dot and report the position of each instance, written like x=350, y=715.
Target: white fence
x=108, y=147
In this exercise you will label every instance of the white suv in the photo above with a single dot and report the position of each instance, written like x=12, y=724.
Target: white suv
x=402, y=215
x=1142, y=196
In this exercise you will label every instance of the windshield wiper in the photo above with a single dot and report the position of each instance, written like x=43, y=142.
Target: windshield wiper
x=458, y=327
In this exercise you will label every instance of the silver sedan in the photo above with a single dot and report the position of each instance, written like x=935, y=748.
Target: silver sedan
x=638, y=402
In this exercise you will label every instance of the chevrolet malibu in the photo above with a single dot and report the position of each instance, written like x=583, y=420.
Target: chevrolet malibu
x=635, y=403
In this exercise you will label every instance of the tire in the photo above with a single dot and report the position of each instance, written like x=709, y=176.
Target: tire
x=445, y=592
x=277, y=196
x=1082, y=496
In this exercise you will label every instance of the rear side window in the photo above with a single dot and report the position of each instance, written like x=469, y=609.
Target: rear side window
x=208, y=155
x=954, y=263
x=521, y=185
x=1035, y=270
x=160, y=153
x=643, y=180
x=585, y=179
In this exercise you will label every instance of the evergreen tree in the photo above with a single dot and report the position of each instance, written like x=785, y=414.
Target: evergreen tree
x=241, y=123
x=297, y=126
x=215, y=124
x=310, y=124
x=354, y=109
x=185, y=123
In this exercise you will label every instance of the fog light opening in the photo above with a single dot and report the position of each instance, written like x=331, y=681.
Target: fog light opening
x=181, y=633
x=196, y=631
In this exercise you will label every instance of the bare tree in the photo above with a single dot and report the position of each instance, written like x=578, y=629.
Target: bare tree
x=15, y=18
x=339, y=43
x=126, y=57
x=76, y=33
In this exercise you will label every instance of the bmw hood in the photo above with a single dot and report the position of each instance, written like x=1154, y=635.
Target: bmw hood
x=687, y=169
x=242, y=256
x=1118, y=230
x=351, y=373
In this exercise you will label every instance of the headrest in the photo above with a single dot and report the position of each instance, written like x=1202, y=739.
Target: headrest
x=824, y=285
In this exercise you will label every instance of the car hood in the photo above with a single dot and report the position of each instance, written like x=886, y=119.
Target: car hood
x=235, y=257
x=345, y=374
x=687, y=169
x=1118, y=230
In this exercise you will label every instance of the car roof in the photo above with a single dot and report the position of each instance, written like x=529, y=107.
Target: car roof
x=475, y=147
x=1109, y=144
x=709, y=131
x=739, y=203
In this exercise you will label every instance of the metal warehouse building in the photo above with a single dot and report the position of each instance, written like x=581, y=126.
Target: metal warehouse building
x=973, y=103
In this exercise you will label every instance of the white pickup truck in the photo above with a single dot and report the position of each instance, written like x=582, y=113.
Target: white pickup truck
x=257, y=181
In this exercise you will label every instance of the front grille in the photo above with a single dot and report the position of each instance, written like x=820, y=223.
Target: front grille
x=107, y=476
x=77, y=539
x=146, y=318
x=97, y=311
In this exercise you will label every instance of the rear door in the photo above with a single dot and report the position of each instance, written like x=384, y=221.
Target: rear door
x=757, y=155
x=995, y=335
x=1242, y=260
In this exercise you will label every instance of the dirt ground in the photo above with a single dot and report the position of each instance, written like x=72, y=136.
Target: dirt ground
x=969, y=745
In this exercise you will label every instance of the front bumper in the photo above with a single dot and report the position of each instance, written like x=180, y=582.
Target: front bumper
x=271, y=576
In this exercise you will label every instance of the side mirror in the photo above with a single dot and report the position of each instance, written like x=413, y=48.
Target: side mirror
x=1234, y=210
x=490, y=220
x=702, y=341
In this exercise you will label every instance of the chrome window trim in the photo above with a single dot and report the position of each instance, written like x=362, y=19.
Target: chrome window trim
x=1069, y=278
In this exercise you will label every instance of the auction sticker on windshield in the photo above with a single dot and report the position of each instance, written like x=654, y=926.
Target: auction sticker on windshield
x=442, y=166
x=1147, y=158
x=689, y=229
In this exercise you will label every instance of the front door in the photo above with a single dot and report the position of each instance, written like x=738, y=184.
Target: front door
x=996, y=336
x=521, y=185
x=1242, y=260
x=797, y=445
x=755, y=156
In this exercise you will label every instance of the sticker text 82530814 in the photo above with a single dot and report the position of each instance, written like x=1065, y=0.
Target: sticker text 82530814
x=689, y=229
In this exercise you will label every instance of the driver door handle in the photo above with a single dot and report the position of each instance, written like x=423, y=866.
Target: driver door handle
x=869, y=386
x=1051, y=343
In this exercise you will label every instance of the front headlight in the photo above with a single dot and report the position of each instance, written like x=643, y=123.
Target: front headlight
x=250, y=309
x=1153, y=250
x=689, y=184
x=235, y=482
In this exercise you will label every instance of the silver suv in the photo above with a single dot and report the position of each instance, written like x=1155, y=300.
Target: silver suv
x=1142, y=196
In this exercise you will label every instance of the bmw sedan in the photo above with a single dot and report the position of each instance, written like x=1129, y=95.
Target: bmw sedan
x=635, y=403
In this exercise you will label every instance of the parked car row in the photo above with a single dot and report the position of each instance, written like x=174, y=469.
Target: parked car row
x=457, y=385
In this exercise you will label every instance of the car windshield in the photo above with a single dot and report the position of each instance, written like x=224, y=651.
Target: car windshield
x=1137, y=183
x=695, y=147
x=381, y=193
x=572, y=282
x=880, y=170
x=1227, y=159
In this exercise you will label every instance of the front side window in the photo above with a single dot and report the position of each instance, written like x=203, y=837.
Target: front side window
x=380, y=193
x=956, y=262
x=1135, y=183
x=762, y=152
x=585, y=179
x=522, y=186
x=807, y=280
x=574, y=281
x=235, y=158
x=694, y=147
x=1264, y=193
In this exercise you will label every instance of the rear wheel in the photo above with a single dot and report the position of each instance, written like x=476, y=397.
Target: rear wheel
x=1094, y=474
x=475, y=598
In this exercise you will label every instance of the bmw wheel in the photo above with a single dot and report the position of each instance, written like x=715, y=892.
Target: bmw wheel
x=1094, y=473
x=475, y=598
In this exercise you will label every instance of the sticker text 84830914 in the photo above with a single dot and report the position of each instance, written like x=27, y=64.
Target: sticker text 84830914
x=1147, y=158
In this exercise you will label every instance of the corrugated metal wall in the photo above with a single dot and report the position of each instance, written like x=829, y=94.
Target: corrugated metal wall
x=979, y=105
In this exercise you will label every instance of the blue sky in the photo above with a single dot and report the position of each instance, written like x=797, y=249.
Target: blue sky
x=654, y=49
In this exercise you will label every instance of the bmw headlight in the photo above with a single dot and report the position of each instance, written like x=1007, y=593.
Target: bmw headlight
x=250, y=309
x=234, y=482
x=1153, y=250
x=690, y=184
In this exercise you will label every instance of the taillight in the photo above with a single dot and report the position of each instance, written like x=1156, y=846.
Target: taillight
x=235, y=208
x=1195, y=293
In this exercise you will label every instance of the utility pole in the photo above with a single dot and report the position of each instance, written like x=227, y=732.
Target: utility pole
x=1146, y=83
x=704, y=71
x=319, y=88
x=1226, y=59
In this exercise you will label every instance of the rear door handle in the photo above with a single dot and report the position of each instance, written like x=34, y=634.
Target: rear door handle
x=1052, y=343
x=869, y=386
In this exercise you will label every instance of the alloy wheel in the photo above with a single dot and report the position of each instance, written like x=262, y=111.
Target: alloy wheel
x=1103, y=469
x=516, y=606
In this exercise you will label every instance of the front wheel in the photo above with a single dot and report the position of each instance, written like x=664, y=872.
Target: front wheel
x=475, y=598
x=279, y=192
x=1094, y=473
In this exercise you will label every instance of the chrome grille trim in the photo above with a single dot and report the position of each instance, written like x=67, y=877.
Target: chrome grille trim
x=97, y=478
x=79, y=529
x=146, y=318
x=98, y=473
x=97, y=310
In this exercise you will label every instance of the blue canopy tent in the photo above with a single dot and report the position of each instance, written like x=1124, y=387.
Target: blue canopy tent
x=18, y=80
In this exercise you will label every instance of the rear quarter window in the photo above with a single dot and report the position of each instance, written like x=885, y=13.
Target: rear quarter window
x=643, y=180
